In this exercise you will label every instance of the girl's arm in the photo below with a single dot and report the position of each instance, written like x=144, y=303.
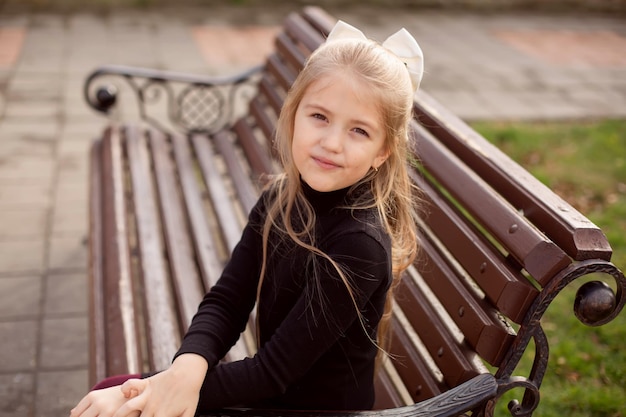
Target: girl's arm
x=311, y=328
x=173, y=392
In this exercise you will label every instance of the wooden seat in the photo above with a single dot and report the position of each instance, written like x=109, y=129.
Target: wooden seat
x=167, y=208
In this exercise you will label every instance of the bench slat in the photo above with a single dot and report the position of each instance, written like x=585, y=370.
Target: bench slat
x=292, y=55
x=448, y=354
x=246, y=192
x=97, y=294
x=556, y=218
x=303, y=33
x=506, y=288
x=386, y=393
x=283, y=75
x=263, y=120
x=162, y=324
x=206, y=249
x=476, y=320
x=258, y=156
x=185, y=276
x=121, y=324
x=218, y=192
x=319, y=19
x=539, y=256
x=418, y=378
x=269, y=90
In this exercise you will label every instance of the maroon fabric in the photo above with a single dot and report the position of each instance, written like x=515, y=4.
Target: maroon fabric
x=113, y=381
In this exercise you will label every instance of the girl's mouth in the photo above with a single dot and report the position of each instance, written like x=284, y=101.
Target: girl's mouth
x=325, y=163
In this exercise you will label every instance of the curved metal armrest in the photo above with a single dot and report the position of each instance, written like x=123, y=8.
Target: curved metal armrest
x=454, y=402
x=193, y=102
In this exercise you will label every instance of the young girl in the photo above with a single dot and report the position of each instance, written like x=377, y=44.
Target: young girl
x=322, y=248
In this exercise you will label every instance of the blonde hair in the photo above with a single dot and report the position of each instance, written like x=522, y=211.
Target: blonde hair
x=390, y=185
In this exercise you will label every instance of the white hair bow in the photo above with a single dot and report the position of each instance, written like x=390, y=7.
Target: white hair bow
x=401, y=43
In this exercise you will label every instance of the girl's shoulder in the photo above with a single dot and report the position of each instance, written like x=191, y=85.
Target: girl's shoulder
x=355, y=225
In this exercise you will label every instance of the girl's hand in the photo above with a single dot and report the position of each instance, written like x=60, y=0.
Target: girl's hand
x=172, y=393
x=102, y=403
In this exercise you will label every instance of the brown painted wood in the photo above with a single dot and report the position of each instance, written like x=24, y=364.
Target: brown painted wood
x=97, y=293
x=572, y=231
x=539, y=256
x=504, y=285
x=161, y=315
x=319, y=19
x=257, y=155
x=206, y=248
x=303, y=33
x=284, y=75
x=185, y=277
x=263, y=118
x=450, y=356
x=418, y=377
x=218, y=192
x=122, y=356
x=247, y=193
x=476, y=319
x=291, y=54
x=272, y=94
x=386, y=393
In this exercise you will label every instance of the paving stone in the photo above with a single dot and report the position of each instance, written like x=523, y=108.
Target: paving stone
x=68, y=253
x=59, y=391
x=70, y=222
x=71, y=193
x=74, y=148
x=20, y=297
x=31, y=168
x=12, y=40
x=570, y=47
x=23, y=223
x=32, y=110
x=17, y=396
x=64, y=342
x=21, y=256
x=26, y=195
x=224, y=46
x=29, y=134
x=19, y=345
x=65, y=294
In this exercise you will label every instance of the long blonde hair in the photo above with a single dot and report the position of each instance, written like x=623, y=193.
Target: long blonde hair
x=390, y=185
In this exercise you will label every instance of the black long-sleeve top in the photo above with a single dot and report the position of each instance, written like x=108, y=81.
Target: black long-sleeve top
x=315, y=352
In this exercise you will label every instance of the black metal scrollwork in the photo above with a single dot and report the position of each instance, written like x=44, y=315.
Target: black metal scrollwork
x=192, y=104
x=596, y=304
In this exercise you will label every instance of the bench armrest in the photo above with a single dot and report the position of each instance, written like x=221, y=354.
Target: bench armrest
x=189, y=103
x=463, y=398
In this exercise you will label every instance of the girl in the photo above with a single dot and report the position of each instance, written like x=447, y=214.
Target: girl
x=322, y=248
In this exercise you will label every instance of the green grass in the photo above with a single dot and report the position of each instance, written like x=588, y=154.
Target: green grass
x=585, y=163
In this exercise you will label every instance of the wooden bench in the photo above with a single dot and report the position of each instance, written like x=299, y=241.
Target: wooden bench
x=168, y=205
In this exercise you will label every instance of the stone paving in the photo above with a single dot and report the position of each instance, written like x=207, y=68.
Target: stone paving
x=496, y=67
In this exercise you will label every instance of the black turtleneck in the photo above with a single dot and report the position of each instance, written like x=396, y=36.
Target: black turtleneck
x=314, y=351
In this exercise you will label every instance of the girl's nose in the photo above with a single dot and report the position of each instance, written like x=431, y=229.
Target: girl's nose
x=332, y=140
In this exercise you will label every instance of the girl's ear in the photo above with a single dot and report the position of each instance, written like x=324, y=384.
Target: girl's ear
x=381, y=158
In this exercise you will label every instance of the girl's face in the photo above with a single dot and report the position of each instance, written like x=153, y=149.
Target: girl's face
x=338, y=134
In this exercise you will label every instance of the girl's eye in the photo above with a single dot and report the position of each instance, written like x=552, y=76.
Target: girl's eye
x=318, y=116
x=361, y=131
